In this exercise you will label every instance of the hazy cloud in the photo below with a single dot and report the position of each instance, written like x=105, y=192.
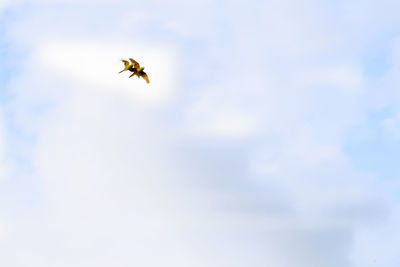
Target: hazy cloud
x=231, y=156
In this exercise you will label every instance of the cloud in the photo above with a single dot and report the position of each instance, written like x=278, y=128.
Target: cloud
x=3, y=3
x=3, y=167
x=3, y=230
x=209, y=117
x=5, y=170
x=91, y=65
x=231, y=156
x=115, y=171
x=343, y=77
x=392, y=126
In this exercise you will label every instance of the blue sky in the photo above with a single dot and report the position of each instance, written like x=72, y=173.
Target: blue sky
x=268, y=135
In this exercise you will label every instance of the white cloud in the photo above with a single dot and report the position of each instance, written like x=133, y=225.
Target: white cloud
x=128, y=173
x=92, y=65
x=214, y=118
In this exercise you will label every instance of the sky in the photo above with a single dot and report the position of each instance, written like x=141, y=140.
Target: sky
x=269, y=134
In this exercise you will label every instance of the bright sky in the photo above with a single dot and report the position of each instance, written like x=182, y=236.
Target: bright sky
x=269, y=134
